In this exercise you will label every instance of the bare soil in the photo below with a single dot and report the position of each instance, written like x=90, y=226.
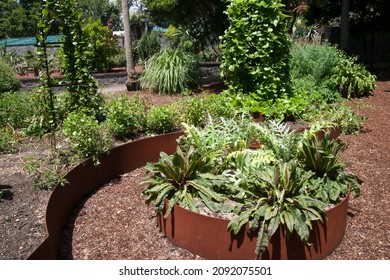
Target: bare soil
x=114, y=222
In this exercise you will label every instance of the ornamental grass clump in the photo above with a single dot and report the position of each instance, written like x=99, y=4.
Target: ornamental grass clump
x=170, y=71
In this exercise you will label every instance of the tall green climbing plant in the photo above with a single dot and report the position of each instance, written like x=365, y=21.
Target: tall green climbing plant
x=82, y=88
x=255, y=52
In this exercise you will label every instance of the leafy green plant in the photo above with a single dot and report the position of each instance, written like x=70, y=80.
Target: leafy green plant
x=180, y=178
x=87, y=138
x=341, y=114
x=126, y=116
x=15, y=109
x=287, y=182
x=161, y=119
x=46, y=171
x=255, y=51
x=101, y=45
x=8, y=80
x=323, y=157
x=170, y=71
x=353, y=79
x=278, y=198
x=147, y=45
x=7, y=138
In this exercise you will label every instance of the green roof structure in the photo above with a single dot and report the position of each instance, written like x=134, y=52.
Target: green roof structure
x=28, y=41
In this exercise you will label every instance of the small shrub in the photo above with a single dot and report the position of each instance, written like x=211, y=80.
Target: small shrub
x=87, y=138
x=353, y=79
x=46, y=171
x=170, y=71
x=8, y=79
x=6, y=139
x=194, y=111
x=161, y=119
x=126, y=117
x=148, y=45
x=102, y=46
x=15, y=109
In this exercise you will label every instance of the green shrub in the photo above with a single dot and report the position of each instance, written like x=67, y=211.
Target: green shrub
x=7, y=138
x=126, y=116
x=87, y=138
x=194, y=111
x=162, y=119
x=314, y=60
x=15, y=109
x=353, y=79
x=101, y=45
x=255, y=51
x=8, y=79
x=170, y=71
x=148, y=45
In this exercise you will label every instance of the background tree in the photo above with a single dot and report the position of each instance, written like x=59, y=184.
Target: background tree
x=130, y=69
x=203, y=20
x=102, y=10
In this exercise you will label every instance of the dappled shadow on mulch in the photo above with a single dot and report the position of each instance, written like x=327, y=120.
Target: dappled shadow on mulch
x=115, y=223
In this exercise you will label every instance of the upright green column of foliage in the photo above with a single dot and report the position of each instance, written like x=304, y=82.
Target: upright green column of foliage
x=82, y=87
x=255, y=52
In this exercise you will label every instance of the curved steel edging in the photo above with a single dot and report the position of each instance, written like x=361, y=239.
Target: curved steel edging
x=86, y=177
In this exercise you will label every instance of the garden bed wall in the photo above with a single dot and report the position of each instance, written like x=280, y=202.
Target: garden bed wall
x=86, y=177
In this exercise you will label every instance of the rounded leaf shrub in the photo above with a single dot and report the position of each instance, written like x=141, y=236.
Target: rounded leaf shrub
x=255, y=51
x=87, y=137
x=8, y=79
x=161, y=119
x=126, y=116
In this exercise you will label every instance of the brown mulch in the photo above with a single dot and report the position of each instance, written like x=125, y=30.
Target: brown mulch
x=115, y=223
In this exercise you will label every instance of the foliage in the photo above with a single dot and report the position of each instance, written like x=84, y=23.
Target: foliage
x=8, y=79
x=15, y=109
x=161, y=119
x=255, y=51
x=341, y=114
x=87, y=138
x=196, y=110
x=315, y=62
x=170, y=71
x=46, y=171
x=7, y=138
x=203, y=20
x=323, y=157
x=180, y=178
x=289, y=181
x=126, y=117
x=278, y=198
x=18, y=18
x=101, y=45
x=148, y=45
x=353, y=79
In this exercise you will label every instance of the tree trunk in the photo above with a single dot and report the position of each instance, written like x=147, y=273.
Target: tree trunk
x=344, y=26
x=130, y=69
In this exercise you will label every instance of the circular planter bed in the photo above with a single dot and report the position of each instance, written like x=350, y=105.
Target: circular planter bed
x=208, y=237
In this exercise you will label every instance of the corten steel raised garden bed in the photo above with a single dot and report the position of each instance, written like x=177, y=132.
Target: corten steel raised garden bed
x=86, y=177
x=208, y=237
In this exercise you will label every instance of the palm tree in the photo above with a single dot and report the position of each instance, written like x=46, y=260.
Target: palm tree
x=130, y=69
